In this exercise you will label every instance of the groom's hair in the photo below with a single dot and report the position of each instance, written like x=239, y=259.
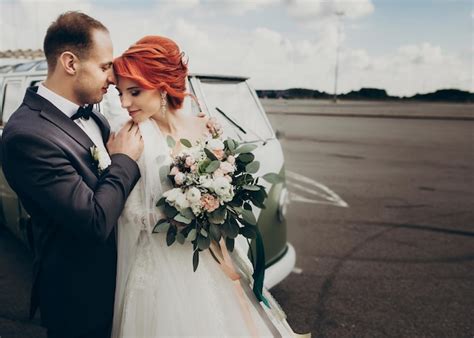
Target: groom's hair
x=72, y=31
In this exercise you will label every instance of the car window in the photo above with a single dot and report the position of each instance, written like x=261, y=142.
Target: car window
x=233, y=103
x=12, y=97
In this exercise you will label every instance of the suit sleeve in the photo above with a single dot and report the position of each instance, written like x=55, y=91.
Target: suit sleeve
x=40, y=171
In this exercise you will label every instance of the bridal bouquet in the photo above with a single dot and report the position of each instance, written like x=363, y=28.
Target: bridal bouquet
x=212, y=195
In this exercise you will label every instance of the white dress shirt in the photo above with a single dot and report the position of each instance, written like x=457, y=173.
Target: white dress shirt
x=69, y=108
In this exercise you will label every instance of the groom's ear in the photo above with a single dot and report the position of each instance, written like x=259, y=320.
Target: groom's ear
x=69, y=62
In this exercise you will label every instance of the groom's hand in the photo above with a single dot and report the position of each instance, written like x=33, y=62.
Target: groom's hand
x=127, y=141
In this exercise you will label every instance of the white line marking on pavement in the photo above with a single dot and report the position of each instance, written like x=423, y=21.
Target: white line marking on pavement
x=311, y=191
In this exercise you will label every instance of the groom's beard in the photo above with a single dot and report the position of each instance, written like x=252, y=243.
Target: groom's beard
x=87, y=94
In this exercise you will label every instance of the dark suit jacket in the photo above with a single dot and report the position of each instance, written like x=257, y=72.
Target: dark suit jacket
x=48, y=162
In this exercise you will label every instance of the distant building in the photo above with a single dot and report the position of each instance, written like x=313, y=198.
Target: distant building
x=22, y=54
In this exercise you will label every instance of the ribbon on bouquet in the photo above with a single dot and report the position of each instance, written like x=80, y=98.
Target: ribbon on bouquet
x=225, y=261
x=259, y=269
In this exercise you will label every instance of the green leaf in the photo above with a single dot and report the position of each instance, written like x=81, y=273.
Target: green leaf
x=195, y=260
x=161, y=226
x=188, y=213
x=249, y=217
x=213, y=166
x=251, y=187
x=161, y=202
x=215, y=232
x=252, y=167
x=231, y=144
x=247, y=206
x=180, y=238
x=203, y=242
x=210, y=155
x=230, y=243
x=180, y=218
x=170, y=211
x=231, y=228
x=218, y=216
x=246, y=148
x=171, y=235
x=185, y=143
x=273, y=178
x=192, y=235
x=171, y=142
x=248, y=232
x=246, y=157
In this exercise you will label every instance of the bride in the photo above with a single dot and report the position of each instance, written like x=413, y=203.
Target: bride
x=157, y=292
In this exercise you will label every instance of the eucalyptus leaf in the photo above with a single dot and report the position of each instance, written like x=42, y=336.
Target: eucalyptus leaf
x=218, y=216
x=251, y=187
x=171, y=142
x=231, y=228
x=186, y=143
x=247, y=206
x=161, y=226
x=203, y=242
x=213, y=166
x=230, y=243
x=188, y=213
x=161, y=202
x=249, y=217
x=246, y=148
x=170, y=211
x=246, y=157
x=252, y=167
x=273, y=178
x=215, y=232
x=180, y=218
x=248, y=232
x=180, y=238
x=195, y=260
x=231, y=144
x=192, y=235
x=171, y=235
x=210, y=155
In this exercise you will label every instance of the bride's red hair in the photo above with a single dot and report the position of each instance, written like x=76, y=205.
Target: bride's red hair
x=155, y=62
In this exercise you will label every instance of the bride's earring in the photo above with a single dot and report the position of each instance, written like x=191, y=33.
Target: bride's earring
x=163, y=104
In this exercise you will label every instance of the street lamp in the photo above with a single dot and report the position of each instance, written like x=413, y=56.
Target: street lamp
x=339, y=15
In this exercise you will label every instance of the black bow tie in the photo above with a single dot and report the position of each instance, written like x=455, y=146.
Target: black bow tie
x=83, y=112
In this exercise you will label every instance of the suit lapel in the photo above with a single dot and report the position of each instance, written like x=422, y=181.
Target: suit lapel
x=49, y=112
x=103, y=125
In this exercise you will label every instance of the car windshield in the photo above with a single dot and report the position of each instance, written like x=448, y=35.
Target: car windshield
x=233, y=103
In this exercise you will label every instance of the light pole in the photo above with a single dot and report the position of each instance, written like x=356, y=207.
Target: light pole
x=339, y=15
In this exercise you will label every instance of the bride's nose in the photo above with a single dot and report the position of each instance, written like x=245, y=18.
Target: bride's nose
x=125, y=101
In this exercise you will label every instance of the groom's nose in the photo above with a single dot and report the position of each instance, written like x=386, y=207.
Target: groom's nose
x=111, y=78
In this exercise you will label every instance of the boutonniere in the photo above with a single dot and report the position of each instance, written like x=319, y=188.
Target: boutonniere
x=101, y=159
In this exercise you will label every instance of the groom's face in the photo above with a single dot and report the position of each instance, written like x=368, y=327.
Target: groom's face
x=95, y=73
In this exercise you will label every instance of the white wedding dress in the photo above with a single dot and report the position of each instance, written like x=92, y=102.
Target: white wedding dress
x=157, y=292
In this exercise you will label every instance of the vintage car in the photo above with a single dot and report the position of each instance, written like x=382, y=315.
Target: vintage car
x=229, y=99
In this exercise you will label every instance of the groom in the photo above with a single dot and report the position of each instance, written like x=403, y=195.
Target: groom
x=56, y=161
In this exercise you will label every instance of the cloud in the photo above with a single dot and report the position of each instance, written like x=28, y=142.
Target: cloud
x=320, y=9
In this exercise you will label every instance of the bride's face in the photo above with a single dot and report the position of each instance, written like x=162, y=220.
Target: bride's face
x=140, y=103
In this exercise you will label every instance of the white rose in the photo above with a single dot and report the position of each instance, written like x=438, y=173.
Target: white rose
x=215, y=144
x=196, y=208
x=206, y=182
x=193, y=195
x=171, y=195
x=221, y=186
x=181, y=201
x=179, y=178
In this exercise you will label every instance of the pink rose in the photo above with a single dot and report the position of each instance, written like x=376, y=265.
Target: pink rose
x=219, y=153
x=209, y=202
x=189, y=161
x=226, y=167
x=228, y=178
x=231, y=159
x=174, y=171
x=218, y=173
x=193, y=168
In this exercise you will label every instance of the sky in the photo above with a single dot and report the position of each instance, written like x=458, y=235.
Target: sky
x=402, y=46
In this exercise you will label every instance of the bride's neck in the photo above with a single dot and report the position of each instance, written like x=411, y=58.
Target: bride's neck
x=169, y=122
